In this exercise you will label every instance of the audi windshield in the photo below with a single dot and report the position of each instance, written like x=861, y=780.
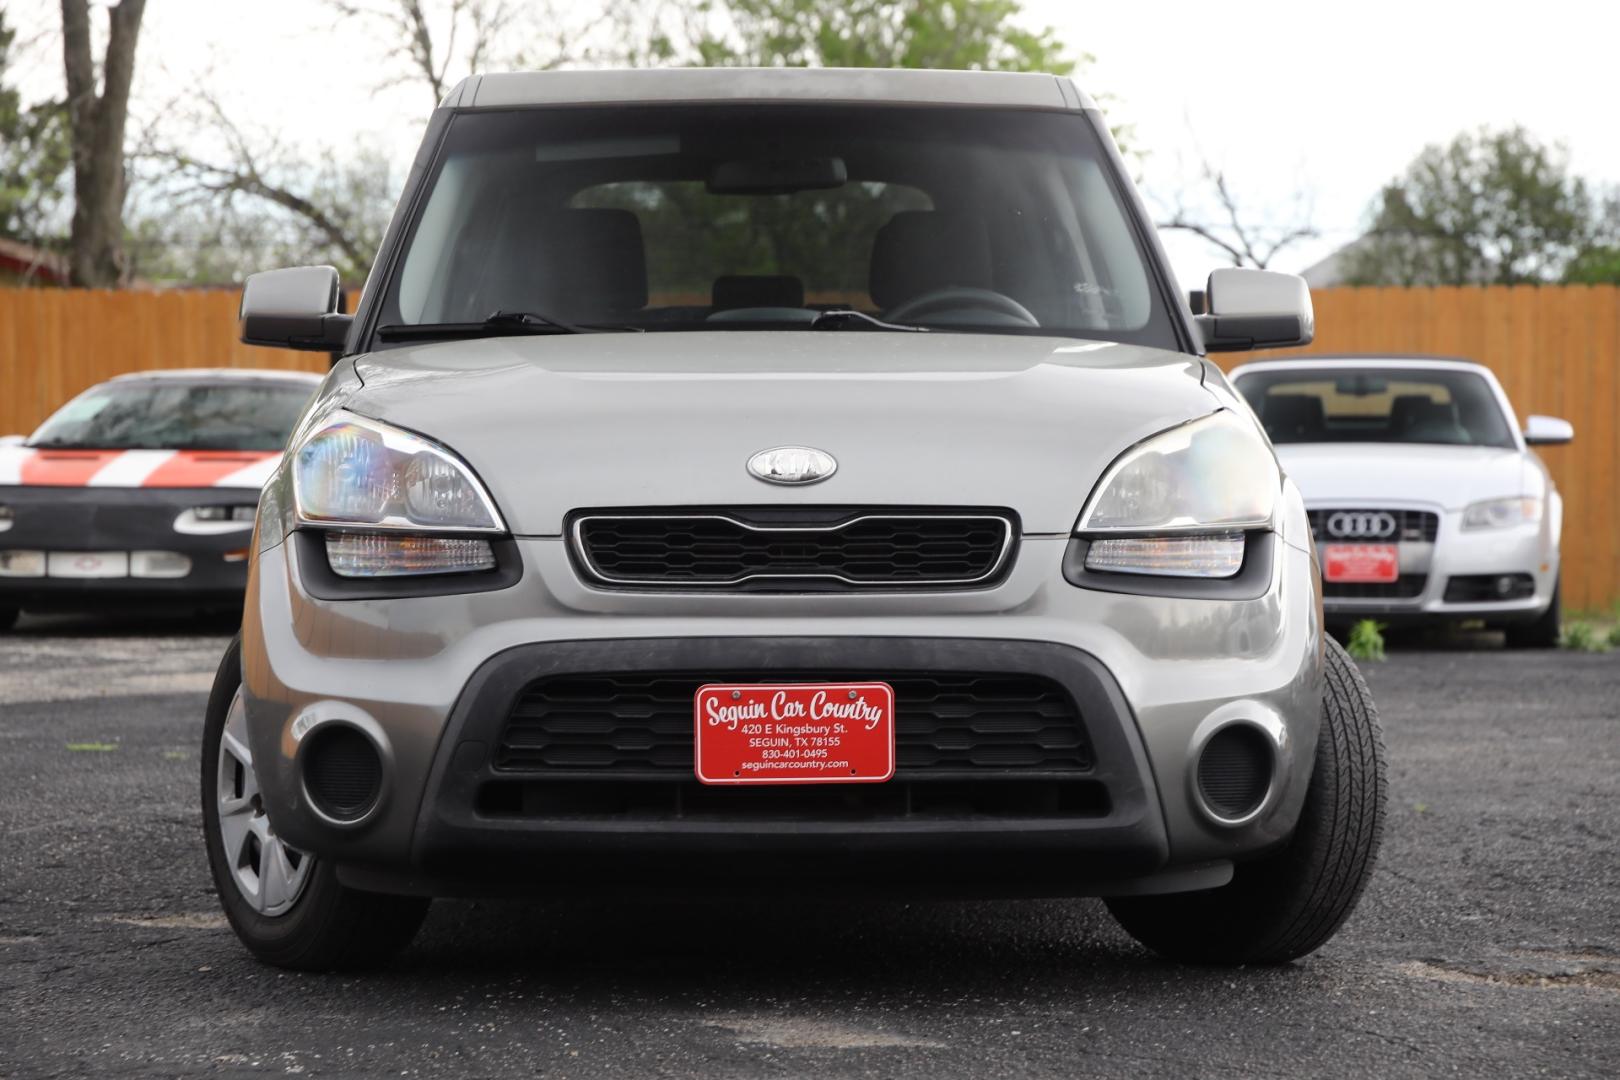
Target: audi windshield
x=1377, y=405
x=801, y=216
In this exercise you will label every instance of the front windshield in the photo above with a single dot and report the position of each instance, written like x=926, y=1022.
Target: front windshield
x=733, y=217
x=166, y=414
x=1377, y=405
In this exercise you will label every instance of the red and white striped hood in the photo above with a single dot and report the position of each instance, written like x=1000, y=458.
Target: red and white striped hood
x=43, y=467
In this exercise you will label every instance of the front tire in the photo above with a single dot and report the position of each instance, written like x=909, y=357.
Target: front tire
x=1545, y=631
x=1287, y=904
x=287, y=907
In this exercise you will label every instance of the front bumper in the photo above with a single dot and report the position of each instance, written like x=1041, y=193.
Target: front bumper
x=433, y=677
x=1435, y=574
x=123, y=520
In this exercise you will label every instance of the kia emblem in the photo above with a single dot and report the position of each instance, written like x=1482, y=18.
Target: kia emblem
x=792, y=465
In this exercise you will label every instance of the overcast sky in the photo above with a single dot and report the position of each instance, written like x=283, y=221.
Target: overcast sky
x=1290, y=97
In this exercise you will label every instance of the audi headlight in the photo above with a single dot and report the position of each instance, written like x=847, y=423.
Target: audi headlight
x=1177, y=504
x=1502, y=513
x=399, y=492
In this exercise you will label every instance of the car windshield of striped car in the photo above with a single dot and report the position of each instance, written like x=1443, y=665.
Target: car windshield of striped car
x=1383, y=405
x=728, y=217
x=163, y=415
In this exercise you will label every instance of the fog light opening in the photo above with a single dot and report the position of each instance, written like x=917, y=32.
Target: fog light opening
x=343, y=772
x=1236, y=768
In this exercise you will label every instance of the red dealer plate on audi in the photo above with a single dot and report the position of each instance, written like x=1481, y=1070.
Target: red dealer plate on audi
x=1377, y=564
x=794, y=733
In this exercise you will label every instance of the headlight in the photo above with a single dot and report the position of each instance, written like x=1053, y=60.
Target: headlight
x=401, y=491
x=1501, y=513
x=361, y=473
x=1186, y=494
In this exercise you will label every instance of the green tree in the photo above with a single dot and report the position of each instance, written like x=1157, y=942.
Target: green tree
x=1491, y=207
x=971, y=34
x=1598, y=261
x=35, y=153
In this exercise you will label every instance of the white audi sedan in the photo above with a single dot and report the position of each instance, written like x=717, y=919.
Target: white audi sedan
x=1427, y=501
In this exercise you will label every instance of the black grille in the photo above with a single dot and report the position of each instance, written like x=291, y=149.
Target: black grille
x=1411, y=526
x=1234, y=771
x=640, y=725
x=341, y=771
x=1405, y=587
x=822, y=549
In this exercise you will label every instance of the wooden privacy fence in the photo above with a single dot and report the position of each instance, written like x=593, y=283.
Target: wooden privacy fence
x=1555, y=349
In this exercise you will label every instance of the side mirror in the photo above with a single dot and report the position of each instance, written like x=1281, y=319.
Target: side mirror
x=1256, y=309
x=293, y=309
x=1548, y=431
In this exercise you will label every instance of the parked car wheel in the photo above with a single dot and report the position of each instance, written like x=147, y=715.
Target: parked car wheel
x=287, y=907
x=1545, y=631
x=1285, y=905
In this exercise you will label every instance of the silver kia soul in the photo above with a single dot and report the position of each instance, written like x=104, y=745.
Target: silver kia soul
x=770, y=480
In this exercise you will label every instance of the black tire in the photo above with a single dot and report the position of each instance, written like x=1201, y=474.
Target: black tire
x=8, y=618
x=1546, y=630
x=330, y=926
x=1288, y=903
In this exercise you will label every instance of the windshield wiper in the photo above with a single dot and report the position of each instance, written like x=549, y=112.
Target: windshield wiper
x=850, y=319
x=499, y=324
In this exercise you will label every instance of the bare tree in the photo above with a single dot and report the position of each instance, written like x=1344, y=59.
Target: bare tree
x=436, y=42
x=96, y=255
x=342, y=210
x=1227, y=226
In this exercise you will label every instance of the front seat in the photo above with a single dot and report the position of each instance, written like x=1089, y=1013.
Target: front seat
x=921, y=251
x=594, y=265
x=1293, y=417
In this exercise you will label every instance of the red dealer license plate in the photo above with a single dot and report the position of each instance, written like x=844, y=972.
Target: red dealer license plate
x=1377, y=564
x=794, y=733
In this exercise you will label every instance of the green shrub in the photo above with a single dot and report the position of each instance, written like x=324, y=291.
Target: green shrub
x=1584, y=637
x=1366, y=640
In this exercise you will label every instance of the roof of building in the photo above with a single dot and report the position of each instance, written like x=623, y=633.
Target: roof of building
x=865, y=85
x=32, y=263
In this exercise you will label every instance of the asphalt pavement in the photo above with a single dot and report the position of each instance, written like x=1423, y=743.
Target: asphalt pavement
x=1487, y=944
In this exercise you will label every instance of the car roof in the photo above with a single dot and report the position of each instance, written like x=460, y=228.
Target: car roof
x=220, y=375
x=1392, y=361
x=877, y=86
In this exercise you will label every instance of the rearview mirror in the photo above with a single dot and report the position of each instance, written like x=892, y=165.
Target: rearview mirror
x=295, y=308
x=1256, y=309
x=1547, y=431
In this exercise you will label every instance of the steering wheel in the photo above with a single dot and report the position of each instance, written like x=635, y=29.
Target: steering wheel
x=960, y=296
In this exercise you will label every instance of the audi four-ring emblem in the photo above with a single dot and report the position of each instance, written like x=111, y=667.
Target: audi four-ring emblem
x=1361, y=525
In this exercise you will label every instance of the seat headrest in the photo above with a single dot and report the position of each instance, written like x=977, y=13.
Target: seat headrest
x=597, y=262
x=919, y=251
x=1407, y=409
x=757, y=290
x=1293, y=417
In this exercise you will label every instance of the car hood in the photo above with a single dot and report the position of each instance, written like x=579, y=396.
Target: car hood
x=556, y=424
x=1447, y=476
x=31, y=466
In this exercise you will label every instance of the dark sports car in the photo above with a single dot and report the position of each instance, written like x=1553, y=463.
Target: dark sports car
x=142, y=490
